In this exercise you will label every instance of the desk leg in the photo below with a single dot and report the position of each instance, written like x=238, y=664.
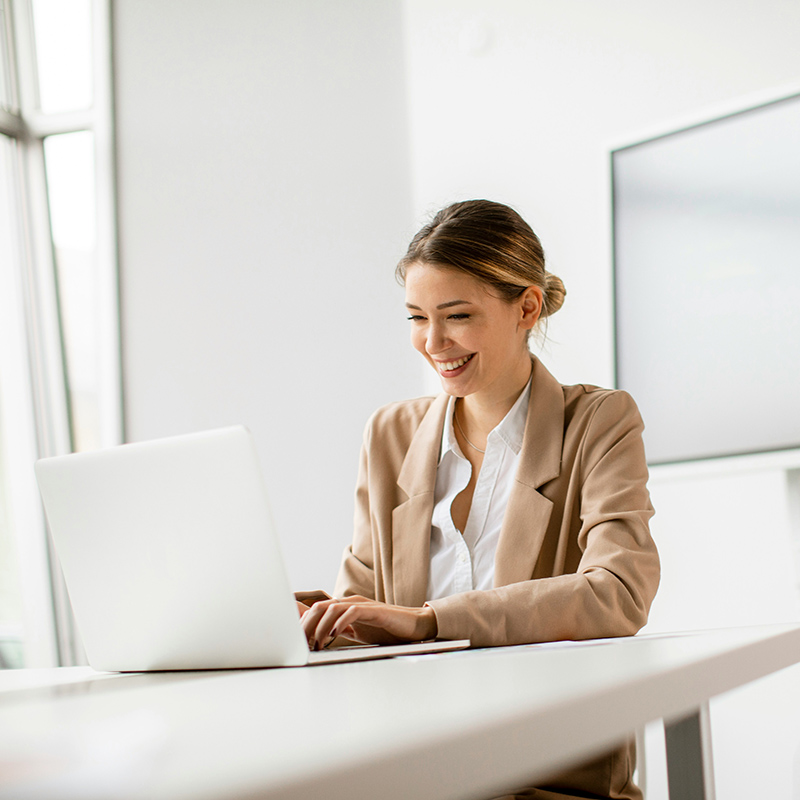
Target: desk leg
x=793, y=503
x=690, y=769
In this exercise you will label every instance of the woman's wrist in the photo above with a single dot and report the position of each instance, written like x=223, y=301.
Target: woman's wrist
x=428, y=626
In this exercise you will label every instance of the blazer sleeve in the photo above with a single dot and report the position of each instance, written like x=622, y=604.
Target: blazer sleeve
x=618, y=571
x=357, y=571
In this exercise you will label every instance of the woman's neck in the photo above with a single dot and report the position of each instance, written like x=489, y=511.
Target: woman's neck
x=482, y=412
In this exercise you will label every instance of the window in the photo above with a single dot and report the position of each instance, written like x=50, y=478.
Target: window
x=59, y=331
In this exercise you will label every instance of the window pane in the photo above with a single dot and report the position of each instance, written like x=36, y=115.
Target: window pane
x=12, y=404
x=70, y=185
x=63, y=30
x=11, y=612
x=5, y=76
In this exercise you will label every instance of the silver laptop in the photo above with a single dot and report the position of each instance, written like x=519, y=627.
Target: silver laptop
x=171, y=559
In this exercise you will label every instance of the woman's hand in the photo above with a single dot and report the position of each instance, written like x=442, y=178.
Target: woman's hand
x=366, y=621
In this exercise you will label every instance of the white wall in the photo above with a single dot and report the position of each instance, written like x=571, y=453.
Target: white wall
x=264, y=199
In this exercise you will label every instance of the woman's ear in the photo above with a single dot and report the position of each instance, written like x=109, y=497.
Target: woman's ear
x=531, y=305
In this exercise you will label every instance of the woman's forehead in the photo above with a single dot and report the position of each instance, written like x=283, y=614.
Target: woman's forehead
x=427, y=280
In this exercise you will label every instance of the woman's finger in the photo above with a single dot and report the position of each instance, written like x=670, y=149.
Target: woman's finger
x=321, y=618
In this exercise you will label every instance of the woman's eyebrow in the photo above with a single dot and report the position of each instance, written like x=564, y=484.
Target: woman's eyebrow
x=448, y=304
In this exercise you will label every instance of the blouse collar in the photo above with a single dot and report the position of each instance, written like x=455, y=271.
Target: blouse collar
x=510, y=430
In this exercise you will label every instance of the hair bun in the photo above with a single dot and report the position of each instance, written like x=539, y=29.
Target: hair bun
x=554, y=294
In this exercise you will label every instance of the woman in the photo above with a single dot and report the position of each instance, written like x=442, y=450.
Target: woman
x=509, y=509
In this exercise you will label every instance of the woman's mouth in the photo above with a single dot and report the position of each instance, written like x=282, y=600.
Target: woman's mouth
x=449, y=367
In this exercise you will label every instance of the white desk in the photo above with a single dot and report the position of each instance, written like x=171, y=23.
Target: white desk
x=462, y=725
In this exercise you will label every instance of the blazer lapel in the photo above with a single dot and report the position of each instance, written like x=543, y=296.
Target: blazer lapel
x=411, y=520
x=528, y=513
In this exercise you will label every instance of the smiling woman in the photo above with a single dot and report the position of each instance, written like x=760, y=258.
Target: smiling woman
x=509, y=509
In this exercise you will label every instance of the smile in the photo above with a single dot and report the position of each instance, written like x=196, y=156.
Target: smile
x=449, y=366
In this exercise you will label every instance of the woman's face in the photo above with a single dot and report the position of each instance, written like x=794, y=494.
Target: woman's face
x=474, y=340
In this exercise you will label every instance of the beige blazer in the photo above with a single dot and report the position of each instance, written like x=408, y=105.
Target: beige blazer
x=574, y=559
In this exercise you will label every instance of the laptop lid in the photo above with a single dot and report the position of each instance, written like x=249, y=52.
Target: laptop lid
x=170, y=556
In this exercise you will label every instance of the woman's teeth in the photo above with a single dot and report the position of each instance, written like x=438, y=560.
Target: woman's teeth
x=449, y=366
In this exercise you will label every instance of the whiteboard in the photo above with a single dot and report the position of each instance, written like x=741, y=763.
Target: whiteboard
x=706, y=232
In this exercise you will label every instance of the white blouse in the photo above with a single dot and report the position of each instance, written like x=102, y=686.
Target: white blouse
x=459, y=562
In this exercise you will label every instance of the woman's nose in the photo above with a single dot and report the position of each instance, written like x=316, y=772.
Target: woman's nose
x=437, y=339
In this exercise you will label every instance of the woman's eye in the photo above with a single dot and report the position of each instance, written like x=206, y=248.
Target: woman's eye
x=459, y=317
x=416, y=318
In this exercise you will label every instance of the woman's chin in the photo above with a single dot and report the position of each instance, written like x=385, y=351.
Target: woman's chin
x=453, y=387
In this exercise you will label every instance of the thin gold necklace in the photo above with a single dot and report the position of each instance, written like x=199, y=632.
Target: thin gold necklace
x=474, y=447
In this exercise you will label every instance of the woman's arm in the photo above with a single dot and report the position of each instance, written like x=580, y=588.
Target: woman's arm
x=358, y=616
x=357, y=570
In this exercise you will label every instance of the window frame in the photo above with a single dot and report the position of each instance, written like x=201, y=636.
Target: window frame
x=51, y=637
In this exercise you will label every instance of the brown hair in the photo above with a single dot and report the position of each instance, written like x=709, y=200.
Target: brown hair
x=490, y=242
